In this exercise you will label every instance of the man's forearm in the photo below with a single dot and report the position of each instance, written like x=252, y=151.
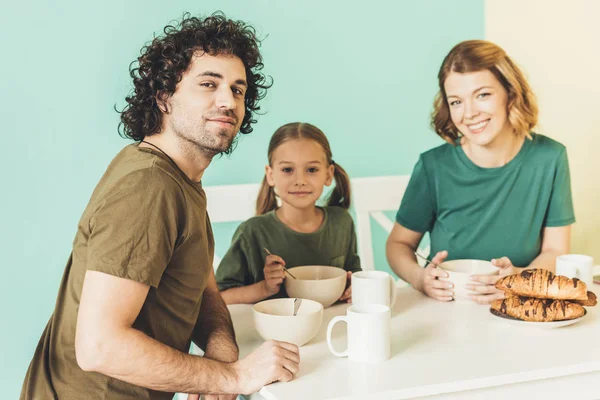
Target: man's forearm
x=214, y=329
x=133, y=357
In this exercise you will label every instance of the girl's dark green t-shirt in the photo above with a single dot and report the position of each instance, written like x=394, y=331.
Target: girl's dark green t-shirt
x=334, y=243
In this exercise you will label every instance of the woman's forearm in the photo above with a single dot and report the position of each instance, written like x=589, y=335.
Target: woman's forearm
x=403, y=262
x=556, y=241
x=545, y=260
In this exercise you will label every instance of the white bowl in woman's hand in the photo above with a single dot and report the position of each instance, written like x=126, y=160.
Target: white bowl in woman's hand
x=459, y=272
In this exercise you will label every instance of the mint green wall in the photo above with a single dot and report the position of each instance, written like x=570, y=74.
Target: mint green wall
x=365, y=74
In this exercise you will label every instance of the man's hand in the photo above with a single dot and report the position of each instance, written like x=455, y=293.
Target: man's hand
x=273, y=361
x=213, y=397
x=220, y=396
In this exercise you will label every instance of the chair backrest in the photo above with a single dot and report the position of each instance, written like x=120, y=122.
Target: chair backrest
x=230, y=203
x=372, y=196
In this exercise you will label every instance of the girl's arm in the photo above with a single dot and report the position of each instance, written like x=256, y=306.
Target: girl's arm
x=246, y=294
x=274, y=276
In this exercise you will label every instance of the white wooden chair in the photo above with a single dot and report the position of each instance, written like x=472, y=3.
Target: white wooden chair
x=231, y=203
x=370, y=198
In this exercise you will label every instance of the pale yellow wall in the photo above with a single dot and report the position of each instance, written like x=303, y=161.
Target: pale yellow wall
x=557, y=43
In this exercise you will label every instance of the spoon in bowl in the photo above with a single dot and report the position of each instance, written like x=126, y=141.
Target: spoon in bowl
x=297, y=303
x=426, y=259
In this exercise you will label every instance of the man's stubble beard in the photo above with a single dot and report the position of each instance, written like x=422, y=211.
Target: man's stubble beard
x=208, y=144
x=194, y=136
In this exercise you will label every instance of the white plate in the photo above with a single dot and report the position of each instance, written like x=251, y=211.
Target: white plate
x=543, y=325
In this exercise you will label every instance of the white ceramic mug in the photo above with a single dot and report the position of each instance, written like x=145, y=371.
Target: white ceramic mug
x=369, y=333
x=373, y=287
x=576, y=266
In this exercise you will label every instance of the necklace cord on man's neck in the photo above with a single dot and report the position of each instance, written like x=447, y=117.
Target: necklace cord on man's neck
x=159, y=149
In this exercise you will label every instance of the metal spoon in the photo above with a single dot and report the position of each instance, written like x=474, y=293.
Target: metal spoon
x=284, y=268
x=426, y=259
x=297, y=303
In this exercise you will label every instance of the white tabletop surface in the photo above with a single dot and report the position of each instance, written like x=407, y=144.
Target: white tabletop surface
x=437, y=348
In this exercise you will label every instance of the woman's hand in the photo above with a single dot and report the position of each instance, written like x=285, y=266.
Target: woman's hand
x=347, y=295
x=431, y=285
x=483, y=285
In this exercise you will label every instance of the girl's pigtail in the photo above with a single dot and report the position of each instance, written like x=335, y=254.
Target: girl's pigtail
x=340, y=196
x=266, y=200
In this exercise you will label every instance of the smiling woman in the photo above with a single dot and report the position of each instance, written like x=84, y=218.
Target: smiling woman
x=495, y=191
x=479, y=69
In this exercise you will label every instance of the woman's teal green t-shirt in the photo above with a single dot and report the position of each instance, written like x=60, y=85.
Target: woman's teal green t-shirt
x=485, y=213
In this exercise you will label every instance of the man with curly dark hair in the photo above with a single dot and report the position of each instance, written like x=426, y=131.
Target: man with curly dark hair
x=139, y=286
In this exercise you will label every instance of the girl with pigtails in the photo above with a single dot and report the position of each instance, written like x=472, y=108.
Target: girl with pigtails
x=289, y=223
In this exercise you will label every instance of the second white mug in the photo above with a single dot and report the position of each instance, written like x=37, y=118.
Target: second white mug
x=576, y=266
x=373, y=287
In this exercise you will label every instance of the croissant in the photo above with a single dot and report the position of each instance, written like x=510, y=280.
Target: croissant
x=537, y=310
x=590, y=301
x=543, y=284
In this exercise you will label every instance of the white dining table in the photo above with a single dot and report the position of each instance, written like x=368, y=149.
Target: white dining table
x=443, y=351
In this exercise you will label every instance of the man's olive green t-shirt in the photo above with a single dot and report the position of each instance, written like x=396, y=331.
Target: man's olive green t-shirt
x=334, y=243
x=146, y=221
x=485, y=213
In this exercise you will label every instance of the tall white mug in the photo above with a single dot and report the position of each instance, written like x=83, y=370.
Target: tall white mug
x=369, y=333
x=575, y=266
x=373, y=287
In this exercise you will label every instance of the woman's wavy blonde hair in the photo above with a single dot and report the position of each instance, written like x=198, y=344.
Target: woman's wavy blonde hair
x=478, y=55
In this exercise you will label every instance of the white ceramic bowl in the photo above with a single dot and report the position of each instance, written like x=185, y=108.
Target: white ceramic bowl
x=459, y=272
x=317, y=282
x=274, y=320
